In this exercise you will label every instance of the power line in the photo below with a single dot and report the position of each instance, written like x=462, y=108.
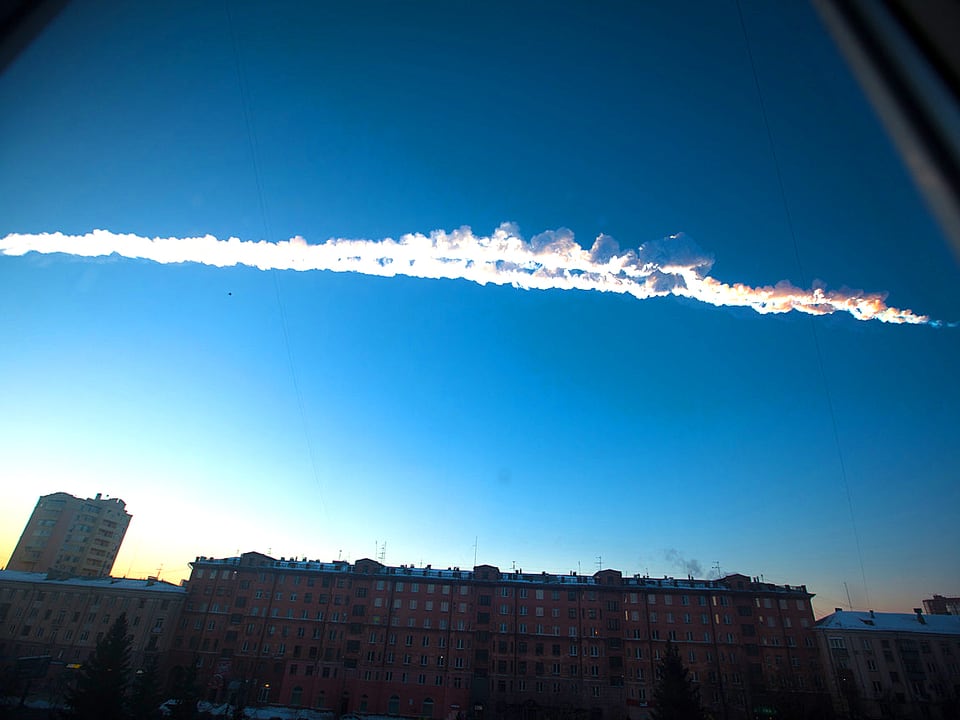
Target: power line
x=265, y=218
x=812, y=319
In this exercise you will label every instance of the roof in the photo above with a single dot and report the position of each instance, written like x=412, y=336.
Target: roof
x=891, y=622
x=735, y=583
x=104, y=583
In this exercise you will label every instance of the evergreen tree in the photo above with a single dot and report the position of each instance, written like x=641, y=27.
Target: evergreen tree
x=186, y=693
x=675, y=697
x=101, y=689
x=145, y=695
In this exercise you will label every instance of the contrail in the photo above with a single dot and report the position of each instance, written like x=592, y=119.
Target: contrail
x=551, y=260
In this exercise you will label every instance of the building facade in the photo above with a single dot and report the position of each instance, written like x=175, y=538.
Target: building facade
x=486, y=644
x=72, y=536
x=893, y=665
x=940, y=605
x=53, y=624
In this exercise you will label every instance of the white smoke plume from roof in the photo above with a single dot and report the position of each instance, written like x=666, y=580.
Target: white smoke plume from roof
x=550, y=260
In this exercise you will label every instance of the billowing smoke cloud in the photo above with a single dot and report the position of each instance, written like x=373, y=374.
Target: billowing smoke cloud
x=677, y=560
x=550, y=260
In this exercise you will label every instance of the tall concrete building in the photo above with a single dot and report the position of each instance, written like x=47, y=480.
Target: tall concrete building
x=940, y=605
x=68, y=535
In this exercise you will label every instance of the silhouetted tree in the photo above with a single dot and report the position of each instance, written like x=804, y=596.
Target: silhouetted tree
x=8, y=690
x=789, y=702
x=795, y=705
x=101, y=689
x=145, y=697
x=675, y=697
x=185, y=692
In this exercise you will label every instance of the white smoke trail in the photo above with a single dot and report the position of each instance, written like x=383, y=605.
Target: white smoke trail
x=551, y=260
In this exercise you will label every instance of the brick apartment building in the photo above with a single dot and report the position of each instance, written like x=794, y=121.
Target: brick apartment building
x=53, y=623
x=481, y=643
x=71, y=535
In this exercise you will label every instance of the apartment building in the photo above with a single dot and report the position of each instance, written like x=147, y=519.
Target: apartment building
x=940, y=605
x=71, y=535
x=49, y=624
x=482, y=643
x=904, y=665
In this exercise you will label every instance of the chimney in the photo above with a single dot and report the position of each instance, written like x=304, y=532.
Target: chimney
x=919, y=613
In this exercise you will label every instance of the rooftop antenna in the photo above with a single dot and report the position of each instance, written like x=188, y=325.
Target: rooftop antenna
x=382, y=553
x=716, y=568
x=599, y=562
x=158, y=570
x=476, y=543
x=514, y=565
x=849, y=603
x=130, y=568
x=339, y=554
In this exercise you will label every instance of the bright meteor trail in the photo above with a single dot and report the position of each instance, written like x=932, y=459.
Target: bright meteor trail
x=550, y=260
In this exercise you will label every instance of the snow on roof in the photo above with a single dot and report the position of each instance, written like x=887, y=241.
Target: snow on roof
x=728, y=583
x=891, y=622
x=104, y=583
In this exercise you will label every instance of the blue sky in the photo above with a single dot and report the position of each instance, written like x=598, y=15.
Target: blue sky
x=319, y=413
